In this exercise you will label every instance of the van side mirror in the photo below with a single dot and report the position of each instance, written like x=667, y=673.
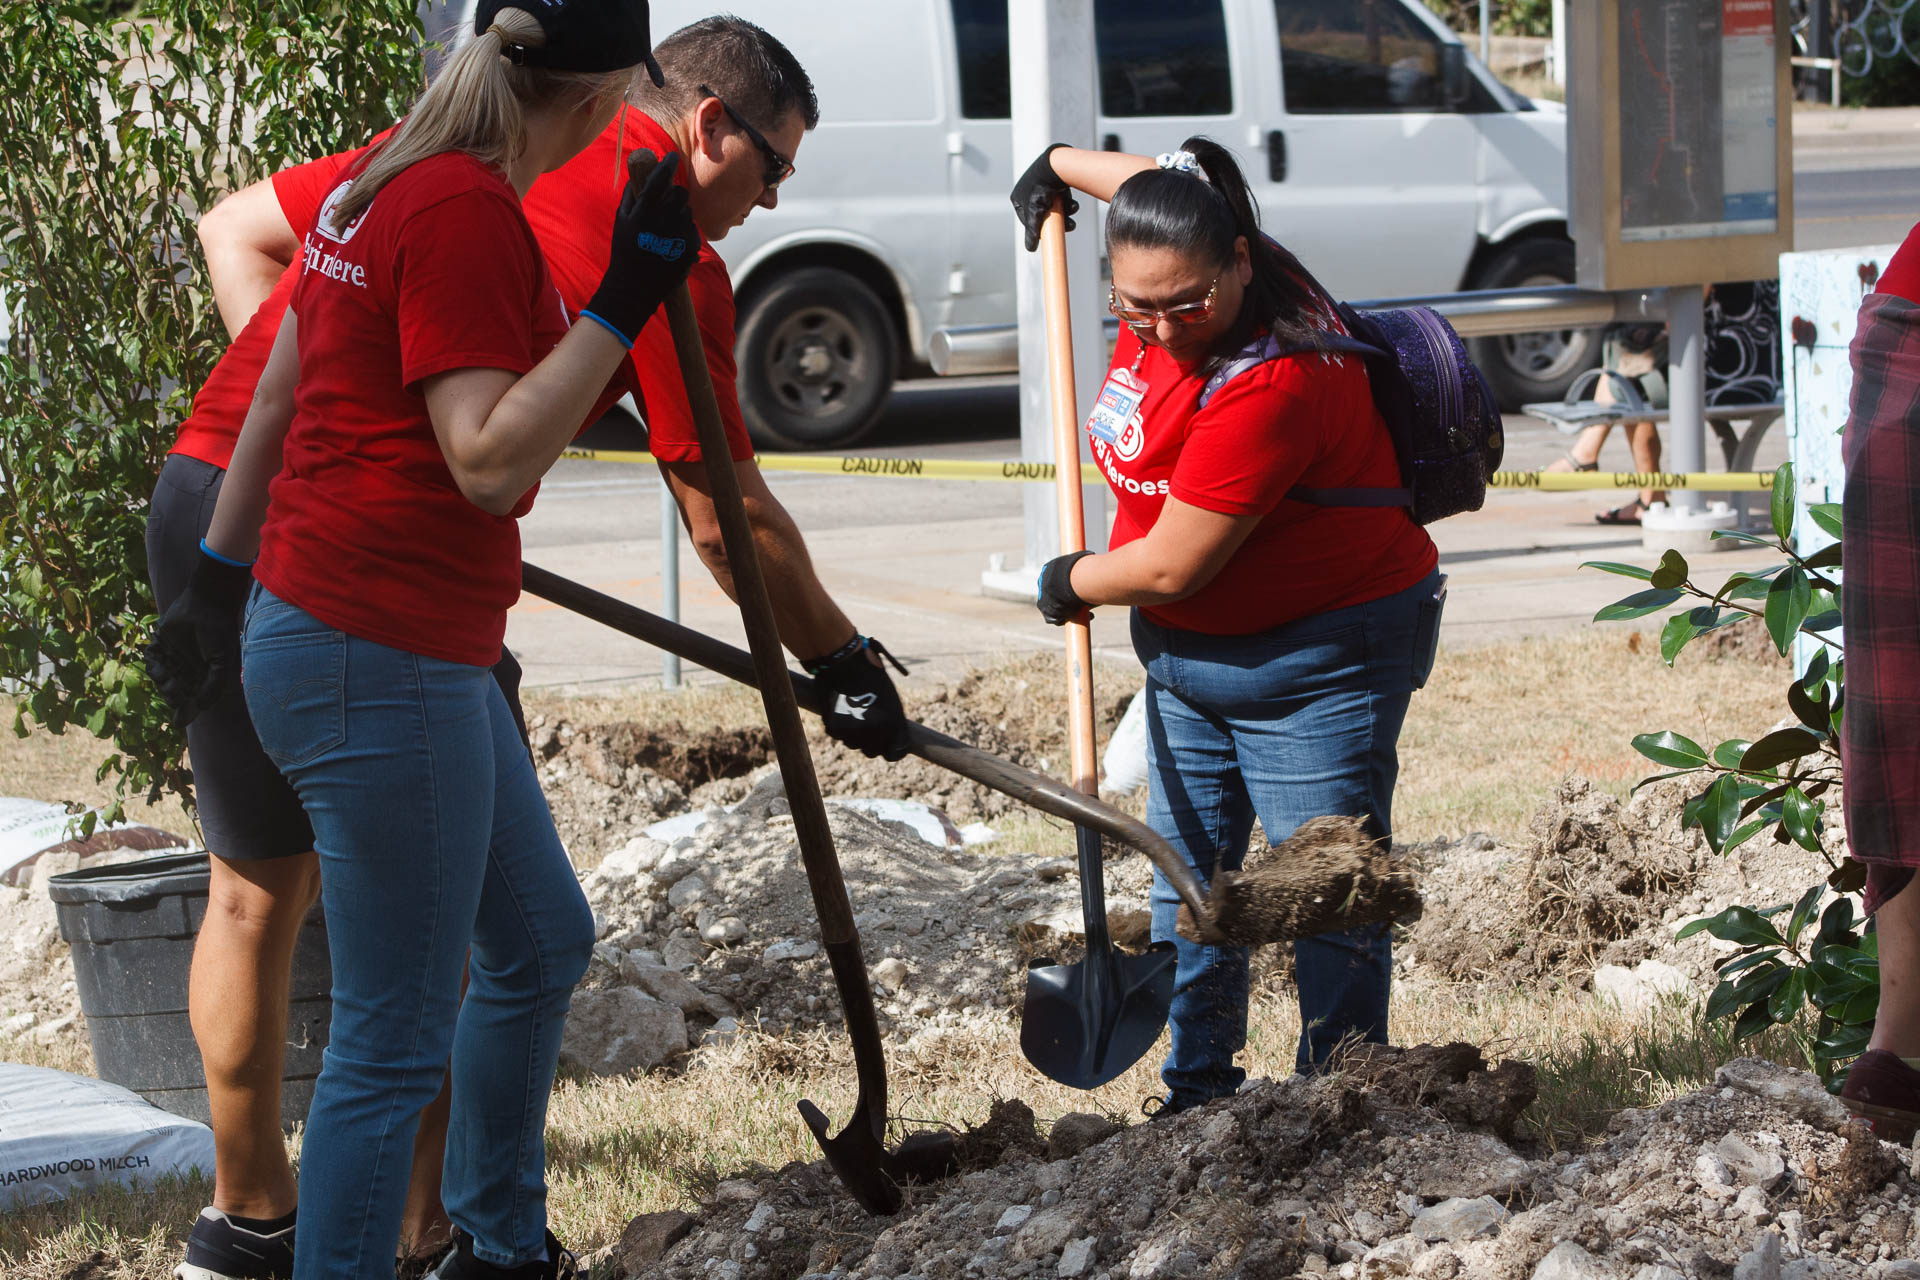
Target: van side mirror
x=1456, y=82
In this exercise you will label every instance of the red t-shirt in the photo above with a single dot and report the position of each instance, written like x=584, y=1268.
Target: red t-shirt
x=1902, y=276
x=1296, y=420
x=571, y=211
x=222, y=402
x=366, y=528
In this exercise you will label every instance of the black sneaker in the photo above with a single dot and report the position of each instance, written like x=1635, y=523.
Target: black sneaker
x=460, y=1264
x=220, y=1249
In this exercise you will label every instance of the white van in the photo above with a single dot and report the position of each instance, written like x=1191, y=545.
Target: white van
x=1391, y=162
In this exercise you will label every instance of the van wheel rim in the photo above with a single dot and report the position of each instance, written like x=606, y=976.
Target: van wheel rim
x=1548, y=356
x=815, y=361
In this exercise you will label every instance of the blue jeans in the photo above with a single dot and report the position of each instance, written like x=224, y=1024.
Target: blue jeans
x=1290, y=724
x=433, y=838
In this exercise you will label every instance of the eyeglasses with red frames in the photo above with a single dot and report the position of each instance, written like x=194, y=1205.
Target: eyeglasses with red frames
x=779, y=168
x=1187, y=313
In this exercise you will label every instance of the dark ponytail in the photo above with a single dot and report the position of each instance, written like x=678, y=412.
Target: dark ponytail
x=1170, y=209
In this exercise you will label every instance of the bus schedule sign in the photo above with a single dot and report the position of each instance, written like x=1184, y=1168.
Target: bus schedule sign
x=1680, y=115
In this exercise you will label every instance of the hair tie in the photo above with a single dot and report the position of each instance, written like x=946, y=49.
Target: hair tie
x=510, y=48
x=1181, y=162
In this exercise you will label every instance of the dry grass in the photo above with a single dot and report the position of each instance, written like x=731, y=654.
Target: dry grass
x=1483, y=745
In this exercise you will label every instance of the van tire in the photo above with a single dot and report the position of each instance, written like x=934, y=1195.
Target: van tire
x=817, y=360
x=1528, y=367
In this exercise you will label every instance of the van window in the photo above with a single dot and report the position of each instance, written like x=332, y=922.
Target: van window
x=1362, y=55
x=1157, y=58
x=1163, y=58
x=980, y=31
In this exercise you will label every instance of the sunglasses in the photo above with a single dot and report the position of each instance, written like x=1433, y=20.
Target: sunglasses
x=779, y=168
x=1187, y=313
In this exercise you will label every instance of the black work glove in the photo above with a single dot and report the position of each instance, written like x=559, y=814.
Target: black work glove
x=1059, y=602
x=862, y=708
x=654, y=247
x=1035, y=192
x=195, y=651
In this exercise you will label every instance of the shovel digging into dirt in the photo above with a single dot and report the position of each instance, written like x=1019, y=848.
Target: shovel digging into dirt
x=858, y=1154
x=1083, y=1024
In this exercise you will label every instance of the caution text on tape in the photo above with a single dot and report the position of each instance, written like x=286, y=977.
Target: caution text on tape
x=1042, y=472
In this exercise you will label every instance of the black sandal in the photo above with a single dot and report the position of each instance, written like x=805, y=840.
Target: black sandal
x=1620, y=514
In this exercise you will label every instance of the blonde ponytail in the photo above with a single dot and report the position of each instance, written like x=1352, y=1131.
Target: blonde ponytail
x=476, y=106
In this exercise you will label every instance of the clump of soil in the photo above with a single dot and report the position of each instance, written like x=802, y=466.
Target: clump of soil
x=1398, y=1163
x=1593, y=875
x=1329, y=875
x=1743, y=641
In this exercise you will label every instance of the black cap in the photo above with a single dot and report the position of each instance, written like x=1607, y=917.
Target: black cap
x=582, y=35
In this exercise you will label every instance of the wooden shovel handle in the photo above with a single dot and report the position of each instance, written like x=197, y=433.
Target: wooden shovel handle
x=1066, y=481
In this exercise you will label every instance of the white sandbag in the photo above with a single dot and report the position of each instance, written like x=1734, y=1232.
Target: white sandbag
x=1125, y=763
x=62, y=1133
x=30, y=828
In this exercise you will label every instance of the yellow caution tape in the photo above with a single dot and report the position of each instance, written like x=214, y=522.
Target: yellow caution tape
x=1042, y=472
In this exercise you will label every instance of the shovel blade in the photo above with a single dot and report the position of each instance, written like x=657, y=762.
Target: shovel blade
x=1084, y=1024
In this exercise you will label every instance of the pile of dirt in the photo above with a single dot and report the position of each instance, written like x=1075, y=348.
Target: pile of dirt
x=1598, y=882
x=1404, y=1162
x=945, y=928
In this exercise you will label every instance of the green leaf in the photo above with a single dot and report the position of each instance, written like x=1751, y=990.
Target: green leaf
x=1801, y=819
x=1849, y=877
x=1720, y=811
x=1844, y=1042
x=1671, y=573
x=1670, y=749
x=1778, y=748
x=1827, y=516
x=1727, y=754
x=1803, y=913
x=1637, y=605
x=1827, y=557
x=1818, y=667
x=1787, y=603
x=1682, y=628
x=1814, y=715
x=1743, y=925
x=1736, y=535
x=1745, y=832
x=1786, y=1000
x=1783, y=496
x=1624, y=570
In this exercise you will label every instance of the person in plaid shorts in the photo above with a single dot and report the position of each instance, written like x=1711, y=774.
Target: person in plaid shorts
x=1880, y=740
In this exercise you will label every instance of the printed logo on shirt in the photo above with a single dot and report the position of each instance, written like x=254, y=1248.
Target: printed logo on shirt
x=1133, y=438
x=1109, y=458
x=324, y=224
x=334, y=267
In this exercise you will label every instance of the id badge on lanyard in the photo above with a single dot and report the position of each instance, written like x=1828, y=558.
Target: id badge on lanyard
x=1118, y=407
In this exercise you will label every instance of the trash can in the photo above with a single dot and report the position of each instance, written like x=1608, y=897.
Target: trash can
x=131, y=926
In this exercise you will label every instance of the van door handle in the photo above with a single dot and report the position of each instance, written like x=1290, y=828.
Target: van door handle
x=1110, y=142
x=1276, y=156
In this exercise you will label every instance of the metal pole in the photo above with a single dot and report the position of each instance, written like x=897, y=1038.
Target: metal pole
x=669, y=578
x=1486, y=33
x=1560, y=42
x=1687, y=390
x=1050, y=56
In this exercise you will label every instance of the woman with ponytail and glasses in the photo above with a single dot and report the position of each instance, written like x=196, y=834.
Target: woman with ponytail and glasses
x=422, y=382
x=1282, y=639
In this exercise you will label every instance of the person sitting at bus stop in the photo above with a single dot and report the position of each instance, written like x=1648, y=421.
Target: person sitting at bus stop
x=250, y=239
x=1637, y=353
x=1282, y=639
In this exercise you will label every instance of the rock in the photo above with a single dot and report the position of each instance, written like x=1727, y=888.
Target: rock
x=1751, y=1163
x=1810, y=1269
x=1054, y=869
x=1642, y=988
x=760, y=1219
x=724, y=1031
x=610, y=1033
x=1654, y=1271
x=683, y=953
x=673, y=987
x=1437, y=1263
x=735, y=1190
x=677, y=864
x=1047, y=1231
x=54, y=862
x=1013, y=1219
x=1077, y=1257
x=1568, y=1261
x=1798, y=1091
x=1075, y=1132
x=1762, y=1262
x=891, y=974
x=1711, y=1172
x=790, y=949
x=18, y=1024
x=1458, y=1220
x=1390, y=1258
x=1470, y=1165
x=725, y=932
x=687, y=892
x=1751, y=1204
x=626, y=864
x=1899, y=1269
x=647, y=1239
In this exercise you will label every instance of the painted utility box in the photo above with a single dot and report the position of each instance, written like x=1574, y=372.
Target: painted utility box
x=1820, y=296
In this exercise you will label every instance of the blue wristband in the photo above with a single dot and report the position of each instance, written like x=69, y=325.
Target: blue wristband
x=211, y=554
x=608, y=325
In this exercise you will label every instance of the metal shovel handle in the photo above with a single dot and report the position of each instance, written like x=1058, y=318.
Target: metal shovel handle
x=1034, y=790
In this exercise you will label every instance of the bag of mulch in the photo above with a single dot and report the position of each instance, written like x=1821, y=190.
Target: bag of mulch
x=62, y=1133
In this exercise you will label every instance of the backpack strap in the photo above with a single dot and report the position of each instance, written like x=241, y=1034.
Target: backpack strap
x=1267, y=347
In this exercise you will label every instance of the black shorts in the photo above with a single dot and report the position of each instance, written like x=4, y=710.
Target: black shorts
x=247, y=810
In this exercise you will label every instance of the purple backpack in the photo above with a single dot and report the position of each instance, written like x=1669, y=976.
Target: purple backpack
x=1437, y=406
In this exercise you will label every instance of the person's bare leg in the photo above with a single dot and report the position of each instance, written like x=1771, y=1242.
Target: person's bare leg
x=1896, y=1027
x=425, y=1225
x=237, y=1004
x=1585, y=448
x=1643, y=438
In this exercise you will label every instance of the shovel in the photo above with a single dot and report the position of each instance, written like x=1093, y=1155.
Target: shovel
x=858, y=1154
x=1083, y=1024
